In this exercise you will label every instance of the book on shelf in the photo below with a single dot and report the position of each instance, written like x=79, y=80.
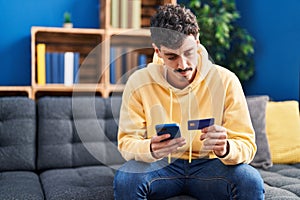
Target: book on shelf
x=118, y=64
x=123, y=62
x=48, y=69
x=115, y=13
x=62, y=67
x=54, y=67
x=112, y=66
x=76, y=67
x=68, y=67
x=41, y=63
x=126, y=14
x=136, y=17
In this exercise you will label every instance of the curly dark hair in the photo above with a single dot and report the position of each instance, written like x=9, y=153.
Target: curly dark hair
x=171, y=24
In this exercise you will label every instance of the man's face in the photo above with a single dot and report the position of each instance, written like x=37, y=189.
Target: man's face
x=181, y=62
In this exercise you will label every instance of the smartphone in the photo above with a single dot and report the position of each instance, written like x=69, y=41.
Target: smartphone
x=172, y=129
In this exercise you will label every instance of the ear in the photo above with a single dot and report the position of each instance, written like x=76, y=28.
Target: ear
x=198, y=39
x=156, y=50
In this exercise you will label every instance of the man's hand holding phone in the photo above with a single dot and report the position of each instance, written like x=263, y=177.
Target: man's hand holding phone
x=167, y=141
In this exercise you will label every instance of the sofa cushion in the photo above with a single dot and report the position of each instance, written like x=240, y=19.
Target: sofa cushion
x=17, y=133
x=281, y=181
x=20, y=185
x=76, y=132
x=283, y=131
x=257, y=108
x=93, y=183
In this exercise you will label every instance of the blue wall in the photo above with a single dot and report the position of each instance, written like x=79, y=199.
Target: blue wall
x=16, y=19
x=274, y=24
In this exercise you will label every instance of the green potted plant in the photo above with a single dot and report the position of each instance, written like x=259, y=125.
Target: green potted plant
x=67, y=20
x=228, y=44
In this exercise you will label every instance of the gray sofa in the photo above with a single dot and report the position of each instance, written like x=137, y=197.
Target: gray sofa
x=65, y=148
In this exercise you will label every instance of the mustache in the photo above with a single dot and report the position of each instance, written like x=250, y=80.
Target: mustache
x=183, y=70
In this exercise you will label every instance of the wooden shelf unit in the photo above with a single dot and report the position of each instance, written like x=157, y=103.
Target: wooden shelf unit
x=94, y=46
x=74, y=90
x=16, y=91
x=57, y=39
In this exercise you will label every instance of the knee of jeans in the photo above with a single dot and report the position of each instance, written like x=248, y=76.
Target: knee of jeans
x=126, y=179
x=131, y=184
x=248, y=176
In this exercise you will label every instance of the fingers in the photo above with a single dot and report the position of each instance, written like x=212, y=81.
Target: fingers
x=213, y=128
x=214, y=144
x=160, y=138
x=214, y=135
x=213, y=132
x=162, y=149
x=214, y=139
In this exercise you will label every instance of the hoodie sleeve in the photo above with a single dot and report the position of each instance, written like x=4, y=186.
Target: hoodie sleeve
x=133, y=143
x=237, y=121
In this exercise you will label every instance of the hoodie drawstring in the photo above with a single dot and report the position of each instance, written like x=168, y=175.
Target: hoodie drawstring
x=171, y=104
x=171, y=116
x=190, y=134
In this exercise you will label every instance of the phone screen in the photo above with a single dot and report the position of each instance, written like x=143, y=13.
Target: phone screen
x=172, y=129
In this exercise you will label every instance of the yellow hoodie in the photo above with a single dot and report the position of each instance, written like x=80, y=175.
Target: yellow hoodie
x=148, y=99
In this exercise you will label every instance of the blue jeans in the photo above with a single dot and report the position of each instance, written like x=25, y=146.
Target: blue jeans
x=206, y=179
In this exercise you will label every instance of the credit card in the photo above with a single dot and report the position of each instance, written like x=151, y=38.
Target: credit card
x=200, y=124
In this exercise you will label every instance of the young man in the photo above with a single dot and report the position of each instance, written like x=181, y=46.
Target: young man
x=180, y=85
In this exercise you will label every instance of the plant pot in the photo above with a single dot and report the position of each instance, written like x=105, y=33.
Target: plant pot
x=68, y=25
